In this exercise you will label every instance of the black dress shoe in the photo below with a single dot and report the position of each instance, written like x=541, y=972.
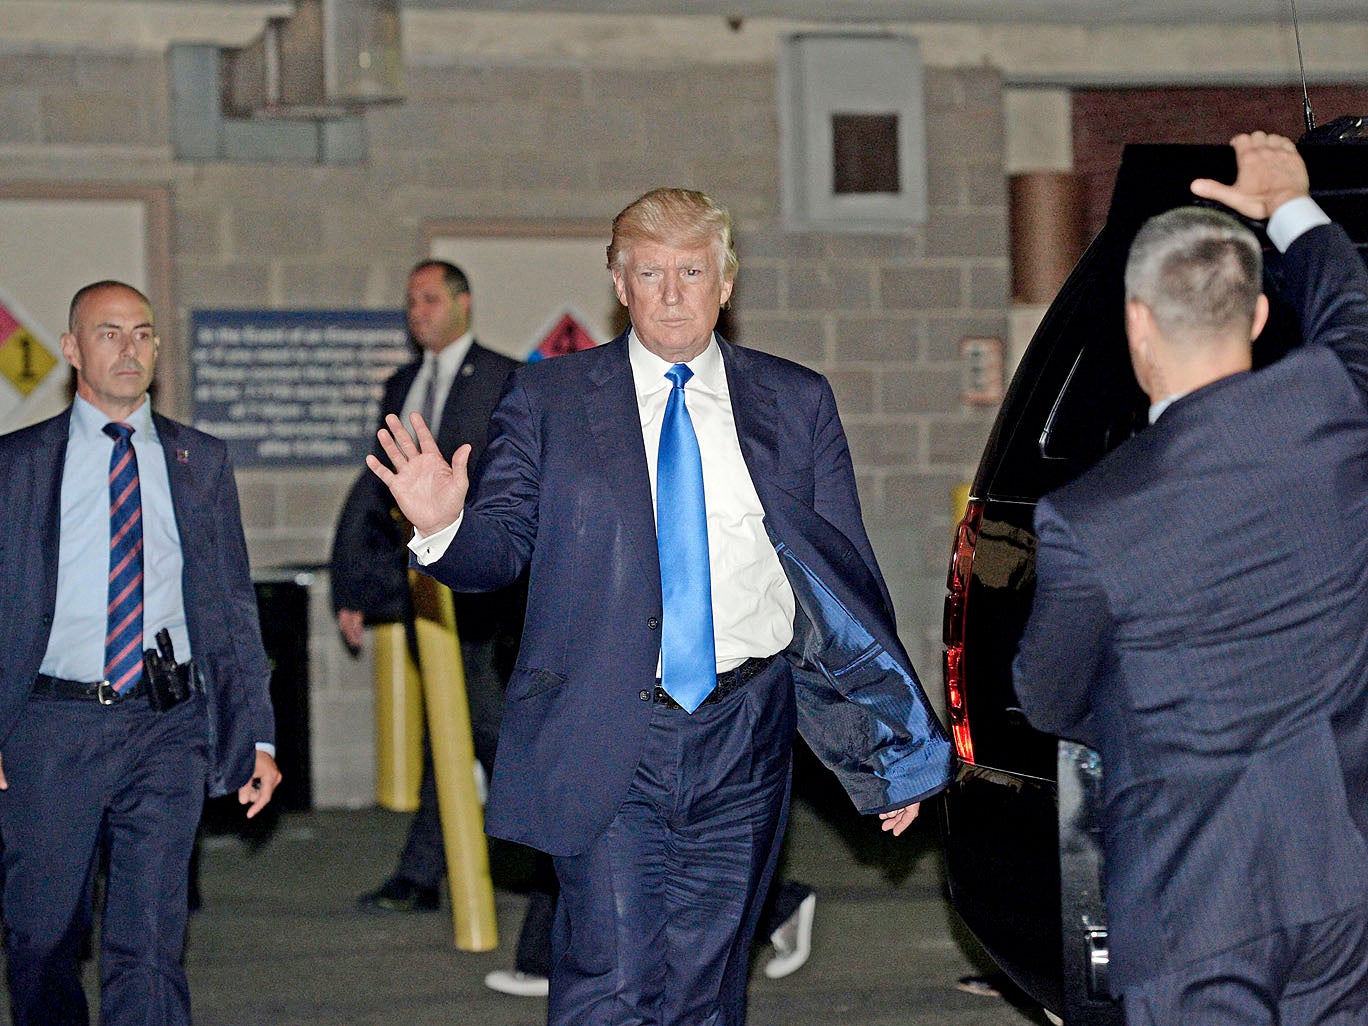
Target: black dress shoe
x=400, y=894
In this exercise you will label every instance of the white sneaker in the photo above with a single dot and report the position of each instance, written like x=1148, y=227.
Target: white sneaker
x=792, y=941
x=517, y=983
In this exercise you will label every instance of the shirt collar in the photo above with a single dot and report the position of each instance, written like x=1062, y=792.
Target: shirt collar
x=450, y=358
x=89, y=420
x=1157, y=409
x=648, y=369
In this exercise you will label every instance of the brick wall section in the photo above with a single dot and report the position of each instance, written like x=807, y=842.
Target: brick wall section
x=881, y=316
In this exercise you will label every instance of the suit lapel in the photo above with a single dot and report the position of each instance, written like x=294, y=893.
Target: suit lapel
x=48, y=488
x=178, y=457
x=453, y=429
x=614, y=419
x=755, y=408
x=397, y=388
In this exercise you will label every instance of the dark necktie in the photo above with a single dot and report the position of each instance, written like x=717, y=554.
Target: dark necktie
x=429, y=410
x=124, y=633
x=688, y=663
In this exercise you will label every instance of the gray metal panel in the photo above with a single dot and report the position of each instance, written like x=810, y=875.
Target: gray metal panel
x=277, y=142
x=195, y=119
x=823, y=75
x=199, y=131
x=342, y=141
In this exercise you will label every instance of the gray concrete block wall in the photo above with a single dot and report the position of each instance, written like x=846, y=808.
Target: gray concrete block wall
x=881, y=315
x=70, y=101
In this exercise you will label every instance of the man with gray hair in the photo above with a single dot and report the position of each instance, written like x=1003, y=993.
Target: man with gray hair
x=1194, y=301
x=1199, y=618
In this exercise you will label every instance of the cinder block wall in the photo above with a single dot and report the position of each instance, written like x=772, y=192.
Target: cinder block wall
x=881, y=316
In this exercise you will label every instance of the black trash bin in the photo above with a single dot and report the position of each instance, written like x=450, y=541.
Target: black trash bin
x=283, y=604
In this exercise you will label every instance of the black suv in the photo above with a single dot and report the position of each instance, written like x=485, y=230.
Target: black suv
x=1020, y=843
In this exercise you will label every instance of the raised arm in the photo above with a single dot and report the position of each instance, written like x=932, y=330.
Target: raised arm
x=1324, y=277
x=1326, y=282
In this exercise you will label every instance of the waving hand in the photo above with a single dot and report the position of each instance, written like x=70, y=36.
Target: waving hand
x=430, y=491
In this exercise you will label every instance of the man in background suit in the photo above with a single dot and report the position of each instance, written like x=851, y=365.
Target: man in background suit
x=648, y=728
x=120, y=523
x=456, y=382
x=1199, y=615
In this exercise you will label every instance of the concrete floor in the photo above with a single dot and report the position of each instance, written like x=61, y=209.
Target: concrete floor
x=279, y=940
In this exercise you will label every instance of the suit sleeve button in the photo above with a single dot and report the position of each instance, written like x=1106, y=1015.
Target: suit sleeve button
x=653, y=622
x=645, y=696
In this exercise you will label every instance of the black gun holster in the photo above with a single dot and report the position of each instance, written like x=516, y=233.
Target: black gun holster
x=168, y=683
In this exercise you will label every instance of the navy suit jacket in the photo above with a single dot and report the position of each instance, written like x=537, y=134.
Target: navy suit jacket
x=564, y=489
x=369, y=552
x=220, y=604
x=1199, y=617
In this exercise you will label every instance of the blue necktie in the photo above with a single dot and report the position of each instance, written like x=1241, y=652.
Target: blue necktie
x=124, y=634
x=688, y=663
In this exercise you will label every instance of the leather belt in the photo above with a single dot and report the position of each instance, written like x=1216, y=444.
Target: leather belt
x=97, y=691
x=728, y=682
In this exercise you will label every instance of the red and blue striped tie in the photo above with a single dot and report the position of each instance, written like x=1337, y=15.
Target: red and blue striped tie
x=124, y=635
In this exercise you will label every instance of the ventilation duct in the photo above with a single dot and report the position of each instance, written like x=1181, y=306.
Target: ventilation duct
x=330, y=59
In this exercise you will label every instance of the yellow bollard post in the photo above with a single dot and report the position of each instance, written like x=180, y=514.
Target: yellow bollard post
x=959, y=502
x=398, y=720
x=453, y=760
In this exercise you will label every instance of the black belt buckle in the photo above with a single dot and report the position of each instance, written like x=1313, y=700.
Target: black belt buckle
x=728, y=681
x=100, y=691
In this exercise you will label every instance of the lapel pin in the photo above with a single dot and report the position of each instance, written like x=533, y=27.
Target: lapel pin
x=467, y=370
x=182, y=455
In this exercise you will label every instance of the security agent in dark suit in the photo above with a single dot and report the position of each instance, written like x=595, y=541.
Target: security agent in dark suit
x=462, y=379
x=1199, y=616
x=121, y=525
x=648, y=729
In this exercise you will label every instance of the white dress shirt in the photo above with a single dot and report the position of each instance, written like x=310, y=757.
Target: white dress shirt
x=753, y=604
x=1293, y=219
x=444, y=365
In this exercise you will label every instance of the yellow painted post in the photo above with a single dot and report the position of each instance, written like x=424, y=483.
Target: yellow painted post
x=453, y=760
x=398, y=720
x=959, y=502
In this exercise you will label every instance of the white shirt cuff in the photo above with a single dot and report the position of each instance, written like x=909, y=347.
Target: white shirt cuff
x=432, y=548
x=267, y=747
x=1293, y=219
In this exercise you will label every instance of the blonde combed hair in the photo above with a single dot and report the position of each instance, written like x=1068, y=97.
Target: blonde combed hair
x=684, y=218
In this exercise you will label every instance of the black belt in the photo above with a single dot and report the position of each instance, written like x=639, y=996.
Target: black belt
x=98, y=691
x=728, y=681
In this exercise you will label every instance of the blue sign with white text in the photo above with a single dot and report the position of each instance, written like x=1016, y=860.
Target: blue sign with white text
x=284, y=387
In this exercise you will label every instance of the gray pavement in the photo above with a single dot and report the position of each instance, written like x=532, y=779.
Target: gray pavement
x=279, y=940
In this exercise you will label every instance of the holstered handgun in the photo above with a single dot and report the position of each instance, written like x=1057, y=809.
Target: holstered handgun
x=168, y=682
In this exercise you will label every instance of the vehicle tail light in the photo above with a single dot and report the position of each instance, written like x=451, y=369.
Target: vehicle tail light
x=956, y=612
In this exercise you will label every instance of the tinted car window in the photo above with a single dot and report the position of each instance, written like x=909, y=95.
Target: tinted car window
x=1073, y=400
x=1101, y=406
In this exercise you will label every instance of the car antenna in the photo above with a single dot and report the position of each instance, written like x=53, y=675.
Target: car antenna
x=1301, y=65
